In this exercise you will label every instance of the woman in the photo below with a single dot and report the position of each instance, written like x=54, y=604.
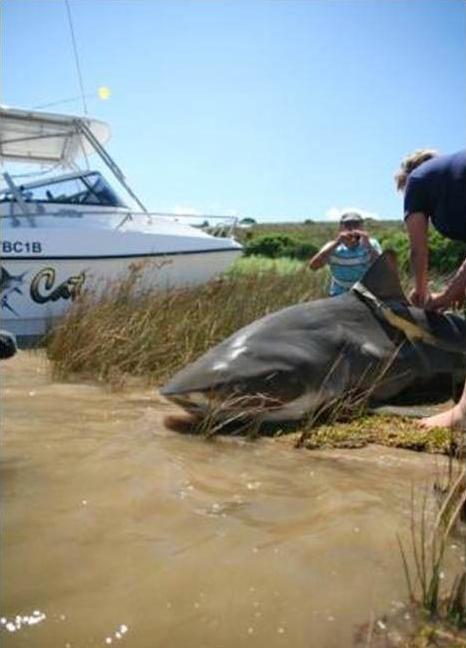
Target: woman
x=435, y=191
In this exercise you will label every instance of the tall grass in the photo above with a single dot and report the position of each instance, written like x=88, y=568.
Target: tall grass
x=259, y=265
x=428, y=554
x=127, y=329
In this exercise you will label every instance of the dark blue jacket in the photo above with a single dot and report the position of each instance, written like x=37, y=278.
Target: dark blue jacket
x=438, y=189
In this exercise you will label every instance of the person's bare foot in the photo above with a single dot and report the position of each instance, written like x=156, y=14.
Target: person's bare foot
x=452, y=418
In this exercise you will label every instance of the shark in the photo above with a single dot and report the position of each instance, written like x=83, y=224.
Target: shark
x=369, y=343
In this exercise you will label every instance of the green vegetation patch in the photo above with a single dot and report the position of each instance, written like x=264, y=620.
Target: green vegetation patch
x=302, y=240
x=275, y=246
x=254, y=265
x=396, y=432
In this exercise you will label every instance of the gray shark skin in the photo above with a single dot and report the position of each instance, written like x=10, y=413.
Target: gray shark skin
x=299, y=360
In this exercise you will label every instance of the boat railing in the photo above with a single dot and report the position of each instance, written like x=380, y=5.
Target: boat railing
x=219, y=225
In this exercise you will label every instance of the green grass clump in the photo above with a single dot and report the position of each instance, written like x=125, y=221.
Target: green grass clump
x=150, y=334
x=260, y=264
x=395, y=432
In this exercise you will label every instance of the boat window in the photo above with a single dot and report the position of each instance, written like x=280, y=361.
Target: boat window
x=88, y=189
x=102, y=191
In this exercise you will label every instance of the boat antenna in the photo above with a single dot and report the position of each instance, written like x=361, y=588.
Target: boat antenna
x=76, y=55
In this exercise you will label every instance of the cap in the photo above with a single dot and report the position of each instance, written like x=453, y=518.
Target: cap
x=351, y=217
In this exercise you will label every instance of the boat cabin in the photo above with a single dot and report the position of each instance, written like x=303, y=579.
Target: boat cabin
x=80, y=188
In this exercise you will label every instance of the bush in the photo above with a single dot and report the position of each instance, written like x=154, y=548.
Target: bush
x=445, y=256
x=299, y=241
x=280, y=245
x=399, y=242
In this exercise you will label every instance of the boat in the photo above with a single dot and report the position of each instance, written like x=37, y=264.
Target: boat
x=64, y=228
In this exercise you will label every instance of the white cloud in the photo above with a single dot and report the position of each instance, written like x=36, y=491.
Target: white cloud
x=334, y=213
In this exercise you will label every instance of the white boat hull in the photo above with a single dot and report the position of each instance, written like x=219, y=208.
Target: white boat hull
x=37, y=292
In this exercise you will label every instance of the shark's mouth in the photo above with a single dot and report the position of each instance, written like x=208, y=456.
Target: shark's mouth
x=218, y=405
x=247, y=407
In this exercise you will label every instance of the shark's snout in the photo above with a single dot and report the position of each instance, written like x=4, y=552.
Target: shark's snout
x=194, y=402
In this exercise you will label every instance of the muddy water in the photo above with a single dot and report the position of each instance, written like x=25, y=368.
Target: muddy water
x=118, y=532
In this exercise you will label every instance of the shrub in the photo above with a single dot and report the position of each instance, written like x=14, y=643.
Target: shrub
x=276, y=240
x=275, y=246
x=445, y=256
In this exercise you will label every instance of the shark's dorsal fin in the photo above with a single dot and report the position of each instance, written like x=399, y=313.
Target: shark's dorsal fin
x=382, y=279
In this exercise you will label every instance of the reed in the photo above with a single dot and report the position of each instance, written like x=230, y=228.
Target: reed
x=428, y=555
x=126, y=329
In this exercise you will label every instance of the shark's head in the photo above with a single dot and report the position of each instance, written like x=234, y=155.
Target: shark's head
x=256, y=370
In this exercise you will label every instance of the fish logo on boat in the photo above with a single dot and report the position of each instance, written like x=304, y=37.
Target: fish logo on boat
x=45, y=280
x=10, y=284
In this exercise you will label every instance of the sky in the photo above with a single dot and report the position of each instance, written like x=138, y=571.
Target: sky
x=277, y=110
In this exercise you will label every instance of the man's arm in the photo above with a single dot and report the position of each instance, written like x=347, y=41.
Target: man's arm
x=323, y=255
x=453, y=293
x=417, y=226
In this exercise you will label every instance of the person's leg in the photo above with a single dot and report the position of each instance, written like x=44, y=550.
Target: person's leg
x=454, y=417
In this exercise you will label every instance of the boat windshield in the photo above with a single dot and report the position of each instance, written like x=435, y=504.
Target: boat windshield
x=84, y=189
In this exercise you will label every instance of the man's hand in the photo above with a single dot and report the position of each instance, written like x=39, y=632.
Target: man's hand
x=437, y=302
x=343, y=237
x=347, y=236
x=363, y=237
x=419, y=298
x=443, y=300
x=453, y=294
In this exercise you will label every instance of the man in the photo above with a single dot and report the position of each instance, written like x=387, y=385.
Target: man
x=435, y=191
x=349, y=255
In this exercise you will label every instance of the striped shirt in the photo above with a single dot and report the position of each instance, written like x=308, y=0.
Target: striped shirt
x=347, y=265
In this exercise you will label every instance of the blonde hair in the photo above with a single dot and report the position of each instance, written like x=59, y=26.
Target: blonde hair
x=410, y=163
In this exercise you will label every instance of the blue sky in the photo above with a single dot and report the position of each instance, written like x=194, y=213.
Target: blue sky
x=275, y=110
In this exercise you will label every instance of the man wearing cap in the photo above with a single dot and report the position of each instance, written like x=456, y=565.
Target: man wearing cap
x=349, y=255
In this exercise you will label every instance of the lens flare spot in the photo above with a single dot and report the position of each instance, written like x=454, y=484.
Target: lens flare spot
x=104, y=93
